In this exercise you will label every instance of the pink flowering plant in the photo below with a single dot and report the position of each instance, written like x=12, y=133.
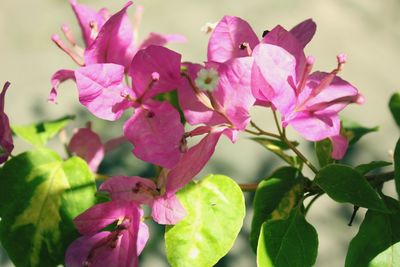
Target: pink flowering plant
x=60, y=210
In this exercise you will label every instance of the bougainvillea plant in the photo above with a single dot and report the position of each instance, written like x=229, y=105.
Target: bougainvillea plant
x=59, y=210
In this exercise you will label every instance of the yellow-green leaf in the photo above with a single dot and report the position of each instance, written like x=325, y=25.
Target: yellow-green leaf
x=40, y=194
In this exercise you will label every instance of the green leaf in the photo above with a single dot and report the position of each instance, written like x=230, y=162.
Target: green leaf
x=277, y=147
x=394, y=106
x=388, y=258
x=366, y=168
x=377, y=233
x=397, y=167
x=216, y=209
x=39, y=134
x=323, y=150
x=39, y=196
x=344, y=184
x=355, y=131
x=291, y=242
x=274, y=199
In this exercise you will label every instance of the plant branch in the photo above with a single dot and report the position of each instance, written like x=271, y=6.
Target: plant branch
x=277, y=124
x=249, y=187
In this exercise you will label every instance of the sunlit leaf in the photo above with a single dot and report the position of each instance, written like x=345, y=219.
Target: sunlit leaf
x=216, y=209
x=39, y=134
x=39, y=196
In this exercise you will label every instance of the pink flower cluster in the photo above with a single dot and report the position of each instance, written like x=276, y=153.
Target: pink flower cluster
x=116, y=74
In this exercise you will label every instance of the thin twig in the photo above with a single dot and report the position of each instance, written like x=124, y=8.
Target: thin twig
x=278, y=126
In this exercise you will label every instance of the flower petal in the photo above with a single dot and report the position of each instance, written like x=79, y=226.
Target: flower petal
x=6, y=141
x=161, y=39
x=143, y=237
x=304, y=31
x=234, y=91
x=57, y=78
x=273, y=76
x=192, y=162
x=155, y=60
x=114, y=43
x=194, y=110
x=133, y=188
x=100, y=215
x=86, y=16
x=335, y=97
x=78, y=251
x=279, y=36
x=228, y=35
x=156, y=132
x=315, y=126
x=167, y=210
x=101, y=90
x=87, y=144
x=339, y=145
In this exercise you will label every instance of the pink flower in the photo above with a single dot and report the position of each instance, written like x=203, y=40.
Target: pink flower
x=166, y=208
x=6, y=141
x=120, y=246
x=154, y=125
x=108, y=39
x=228, y=104
x=308, y=102
x=233, y=37
x=87, y=144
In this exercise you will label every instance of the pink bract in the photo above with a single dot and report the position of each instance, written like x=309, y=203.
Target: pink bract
x=101, y=90
x=6, y=141
x=308, y=102
x=229, y=105
x=227, y=38
x=119, y=247
x=156, y=132
x=87, y=144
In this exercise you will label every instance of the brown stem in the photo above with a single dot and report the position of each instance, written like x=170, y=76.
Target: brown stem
x=248, y=187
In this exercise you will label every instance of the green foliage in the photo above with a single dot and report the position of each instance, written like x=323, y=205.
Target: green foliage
x=275, y=198
x=38, y=134
x=40, y=194
x=355, y=131
x=345, y=184
x=288, y=242
x=323, y=150
x=373, y=165
x=216, y=208
x=397, y=167
x=394, y=106
x=278, y=148
x=388, y=258
x=377, y=233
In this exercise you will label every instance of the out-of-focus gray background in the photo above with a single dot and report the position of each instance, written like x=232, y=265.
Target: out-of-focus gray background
x=367, y=31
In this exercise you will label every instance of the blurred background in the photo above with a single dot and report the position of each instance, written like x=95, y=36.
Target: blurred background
x=367, y=31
